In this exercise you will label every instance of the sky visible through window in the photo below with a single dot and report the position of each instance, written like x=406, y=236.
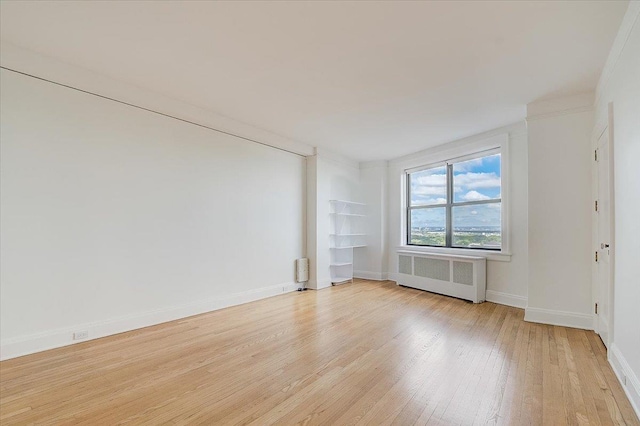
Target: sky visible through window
x=473, y=180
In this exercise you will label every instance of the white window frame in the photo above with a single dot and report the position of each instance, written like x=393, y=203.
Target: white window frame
x=457, y=153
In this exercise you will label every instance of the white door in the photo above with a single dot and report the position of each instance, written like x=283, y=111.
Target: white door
x=603, y=294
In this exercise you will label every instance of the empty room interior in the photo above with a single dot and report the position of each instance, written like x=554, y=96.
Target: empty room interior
x=320, y=212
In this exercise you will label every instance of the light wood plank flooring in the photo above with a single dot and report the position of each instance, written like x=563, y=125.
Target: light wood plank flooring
x=361, y=353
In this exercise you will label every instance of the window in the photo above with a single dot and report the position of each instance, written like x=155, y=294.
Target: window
x=457, y=204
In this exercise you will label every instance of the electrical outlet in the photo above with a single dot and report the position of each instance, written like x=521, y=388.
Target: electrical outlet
x=79, y=335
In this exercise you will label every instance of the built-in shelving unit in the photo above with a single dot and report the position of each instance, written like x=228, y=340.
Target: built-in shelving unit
x=348, y=232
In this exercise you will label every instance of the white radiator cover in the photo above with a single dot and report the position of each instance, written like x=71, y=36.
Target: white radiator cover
x=464, y=277
x=302, y=270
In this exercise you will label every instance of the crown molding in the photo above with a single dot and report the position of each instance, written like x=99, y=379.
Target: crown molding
x=573, y=104
x=334, y=157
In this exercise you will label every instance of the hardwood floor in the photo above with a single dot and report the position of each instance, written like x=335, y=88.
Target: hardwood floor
x=361, y=353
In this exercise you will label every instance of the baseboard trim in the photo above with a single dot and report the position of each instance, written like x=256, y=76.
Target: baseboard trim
x=562, y=318
x=368, y=275
x=506, y=299
x=25, y=345
x=323, y=284
x=623, y=371
x=319, y=285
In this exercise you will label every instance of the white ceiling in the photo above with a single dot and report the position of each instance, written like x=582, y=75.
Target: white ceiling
x=370, y=80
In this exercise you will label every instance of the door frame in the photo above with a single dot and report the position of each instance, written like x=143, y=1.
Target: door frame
x=603, y=125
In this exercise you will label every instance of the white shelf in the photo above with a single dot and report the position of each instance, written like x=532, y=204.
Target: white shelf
x=347, y=232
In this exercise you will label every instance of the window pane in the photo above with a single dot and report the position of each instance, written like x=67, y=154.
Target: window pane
x=477, y=226
x=429, y=186
x=477, y=179
x=428, y=226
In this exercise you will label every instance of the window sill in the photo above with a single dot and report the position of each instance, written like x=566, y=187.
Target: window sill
x=498, y=256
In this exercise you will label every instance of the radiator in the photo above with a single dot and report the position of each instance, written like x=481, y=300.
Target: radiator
x=464, y=277
x=302, y=270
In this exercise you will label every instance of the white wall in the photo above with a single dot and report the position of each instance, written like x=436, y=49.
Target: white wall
x=115, y=218
x=17, y=58
x=620, y=85
x=330, y=177
x=370, y=262
x=560, y=204
x=506, y=275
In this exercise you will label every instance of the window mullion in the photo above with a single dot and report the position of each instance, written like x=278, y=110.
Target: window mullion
x=408, y=233
x=449, y=231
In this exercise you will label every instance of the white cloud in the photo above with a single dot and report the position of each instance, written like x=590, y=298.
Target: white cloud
x=477, y=180
x=474, y=196
x=429, y=185
x=430, y=180
x=440, y=201
x=429, y=190
x=465, y=166
x=425, y=199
